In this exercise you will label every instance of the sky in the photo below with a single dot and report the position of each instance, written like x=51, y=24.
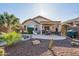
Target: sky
x=54, y=11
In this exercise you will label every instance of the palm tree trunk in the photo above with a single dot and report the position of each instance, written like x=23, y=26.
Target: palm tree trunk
x=9, y=27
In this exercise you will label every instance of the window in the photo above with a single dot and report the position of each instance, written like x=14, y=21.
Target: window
x=24, y=27
x=36, y=29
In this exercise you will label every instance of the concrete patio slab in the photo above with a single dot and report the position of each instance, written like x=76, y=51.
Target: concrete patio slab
x=48, y=37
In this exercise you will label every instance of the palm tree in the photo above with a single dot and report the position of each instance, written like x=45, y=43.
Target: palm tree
x=10, y=21
x=2, y=22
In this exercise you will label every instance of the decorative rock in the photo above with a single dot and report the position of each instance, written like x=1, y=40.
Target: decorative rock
x=36, y=42
x=75, y=42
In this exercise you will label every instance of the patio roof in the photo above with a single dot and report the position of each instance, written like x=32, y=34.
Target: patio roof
x=50, y=22
x=42, y=22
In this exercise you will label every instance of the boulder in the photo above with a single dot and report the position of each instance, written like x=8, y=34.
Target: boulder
x=35, y=42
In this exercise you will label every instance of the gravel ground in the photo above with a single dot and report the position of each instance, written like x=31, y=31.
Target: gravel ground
x=64, y=48
x=25, y=48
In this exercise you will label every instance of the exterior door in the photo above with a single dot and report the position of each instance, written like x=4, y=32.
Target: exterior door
x=46, y=28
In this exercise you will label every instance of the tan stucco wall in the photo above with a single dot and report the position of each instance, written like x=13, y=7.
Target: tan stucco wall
x=54, y=26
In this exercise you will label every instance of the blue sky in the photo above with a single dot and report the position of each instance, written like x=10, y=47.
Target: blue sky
x=52, y=11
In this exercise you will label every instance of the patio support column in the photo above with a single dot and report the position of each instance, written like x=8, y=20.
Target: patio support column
x=41, y=29
x=59, y=28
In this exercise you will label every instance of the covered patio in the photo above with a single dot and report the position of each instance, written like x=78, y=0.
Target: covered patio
x=49, y=27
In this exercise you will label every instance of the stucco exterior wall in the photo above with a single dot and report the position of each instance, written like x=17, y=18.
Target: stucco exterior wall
x=31, y=23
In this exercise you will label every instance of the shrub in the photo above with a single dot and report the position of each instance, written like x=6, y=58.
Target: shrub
x=11, y=37
x=30, y=30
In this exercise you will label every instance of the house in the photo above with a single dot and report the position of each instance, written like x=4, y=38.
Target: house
x=41, y=24
x=72, y=23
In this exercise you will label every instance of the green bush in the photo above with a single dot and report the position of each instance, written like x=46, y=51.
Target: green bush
x=30, y=30
x=11, y=37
